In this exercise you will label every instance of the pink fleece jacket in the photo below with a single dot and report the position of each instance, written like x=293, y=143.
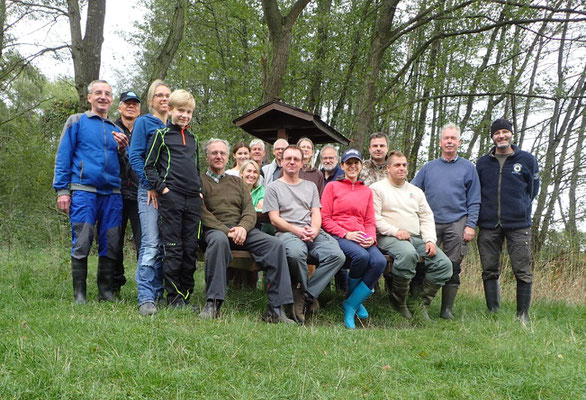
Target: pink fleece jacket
x=347, y=207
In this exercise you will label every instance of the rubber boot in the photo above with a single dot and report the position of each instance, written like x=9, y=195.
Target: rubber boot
x=492, y=295
x=448, y=296
x=361, y=312
x=428, y=292
x=398, y=296
x=105, y=278
x=360, y=293
x=79, y=274
x=523, y=301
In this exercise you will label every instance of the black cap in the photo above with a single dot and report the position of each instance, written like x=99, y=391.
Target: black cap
x=130, y=95
x=499, y=124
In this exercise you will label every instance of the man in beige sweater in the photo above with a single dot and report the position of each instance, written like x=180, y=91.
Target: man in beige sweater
x=406, y=231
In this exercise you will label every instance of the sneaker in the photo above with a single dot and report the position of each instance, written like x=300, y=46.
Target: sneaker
x=147, y=308
x=271, y=316
x=209, y=311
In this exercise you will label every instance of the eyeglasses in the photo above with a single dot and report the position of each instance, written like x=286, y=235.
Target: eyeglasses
x=165, y=95
x=221, y=153
x=295, y=159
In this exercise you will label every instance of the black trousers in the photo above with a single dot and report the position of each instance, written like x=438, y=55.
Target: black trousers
x=179, y=217
x=129, y=212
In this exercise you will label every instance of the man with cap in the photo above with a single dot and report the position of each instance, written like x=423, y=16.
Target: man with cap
x=509, y=180
x=452, y=189
x=348, y=215
x=129, y=110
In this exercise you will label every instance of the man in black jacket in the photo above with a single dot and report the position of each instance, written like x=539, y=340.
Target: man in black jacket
x=509, y=180
x=129, y=110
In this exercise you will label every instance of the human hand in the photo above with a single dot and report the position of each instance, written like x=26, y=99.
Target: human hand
x=468, y=234
x=64, y=202
x=355, y=236
x=402, y=235
x=238, y=235
x=121, y=139
x=154, y=197
x=430, y=249
x=311, y=233
x=166, y=190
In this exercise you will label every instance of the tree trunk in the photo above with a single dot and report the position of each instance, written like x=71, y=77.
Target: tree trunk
x=571, y=226
x=87, y=51
x=280, y=30
x=2, y=21
x=323, y=12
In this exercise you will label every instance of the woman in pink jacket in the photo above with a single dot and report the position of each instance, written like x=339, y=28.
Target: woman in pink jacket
x=348, y=215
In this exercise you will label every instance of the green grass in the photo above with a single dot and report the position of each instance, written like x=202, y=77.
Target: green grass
x=52, y=349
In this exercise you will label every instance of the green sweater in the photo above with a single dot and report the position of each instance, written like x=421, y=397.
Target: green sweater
x=226, y=204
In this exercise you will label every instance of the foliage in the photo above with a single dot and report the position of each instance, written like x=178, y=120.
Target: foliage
x=52, y=349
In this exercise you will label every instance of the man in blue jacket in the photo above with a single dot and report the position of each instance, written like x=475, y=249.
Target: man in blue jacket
x=509, y=179
x=87, y=182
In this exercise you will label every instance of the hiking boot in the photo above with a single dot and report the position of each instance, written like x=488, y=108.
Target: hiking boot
x=147, y=308
x=210, y=310
x=448, y=297
x=79, y=275
x=276, y=315
x=299, y=305
x=398, y=296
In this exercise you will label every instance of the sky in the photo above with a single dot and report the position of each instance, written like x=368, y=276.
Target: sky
x=118, y=54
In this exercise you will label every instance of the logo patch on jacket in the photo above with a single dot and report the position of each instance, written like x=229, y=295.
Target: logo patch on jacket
x=517, y=168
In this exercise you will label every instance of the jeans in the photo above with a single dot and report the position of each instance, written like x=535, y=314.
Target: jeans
x=366, y=264
x=149, y=272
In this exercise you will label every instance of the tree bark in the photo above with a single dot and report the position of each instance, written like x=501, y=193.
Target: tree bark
x=323, y=12
x=86, y=51
x=280, y=30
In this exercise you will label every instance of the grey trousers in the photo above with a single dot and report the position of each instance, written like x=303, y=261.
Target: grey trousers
x=450, y=237
x=266, y=250
x=324, y=249
x=490, y=247
x=406, y=253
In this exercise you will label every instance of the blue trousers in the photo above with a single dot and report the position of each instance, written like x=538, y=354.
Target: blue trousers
x=366, y=264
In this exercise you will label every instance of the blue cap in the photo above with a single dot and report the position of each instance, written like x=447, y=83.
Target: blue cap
x=351, y=153
x=130, y=95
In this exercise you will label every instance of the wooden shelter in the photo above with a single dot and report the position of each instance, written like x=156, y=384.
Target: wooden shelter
x=277, y=120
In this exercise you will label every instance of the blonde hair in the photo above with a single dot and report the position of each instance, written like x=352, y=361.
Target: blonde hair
x=151, y=93
x=255, y=165
x=181, y=98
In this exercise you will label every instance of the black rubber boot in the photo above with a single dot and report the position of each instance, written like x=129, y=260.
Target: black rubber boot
x=428, y=292
x=79, y=274
x=105, y=278
x=448, y=296
x=523, y=301
x=398, y=295
x=492, y=295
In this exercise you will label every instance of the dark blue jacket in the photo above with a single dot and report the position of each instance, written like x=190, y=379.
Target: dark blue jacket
x=338, y=172
x=507, y=204
x=87, y=157
x=142, y=132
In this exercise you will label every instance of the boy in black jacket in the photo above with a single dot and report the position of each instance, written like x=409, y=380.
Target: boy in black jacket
x=172, y=168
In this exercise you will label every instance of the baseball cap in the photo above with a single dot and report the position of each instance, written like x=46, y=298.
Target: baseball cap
x=351, y=153
x=130, y=95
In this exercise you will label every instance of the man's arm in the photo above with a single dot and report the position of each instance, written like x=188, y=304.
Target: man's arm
x=63, y=161
x=426, y=220
x=535, y=183
x=382, y=226
x=151, y=163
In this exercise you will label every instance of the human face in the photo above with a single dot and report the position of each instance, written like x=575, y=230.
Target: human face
x=449, y=143
x=241, y=155
x=249, y=175
x=397, y=170
x=378, y=149
x=502, y=140
x=328, y=159
x=100, y=99
x=352, y=168
x=160, y=100
x=292, y=162
x=217, y=157
x=307, y=150
x=181, y=116
x=129, y=110
x=257, y=153
x=278, y=148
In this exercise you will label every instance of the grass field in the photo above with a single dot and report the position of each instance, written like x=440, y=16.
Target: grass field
x=52, y=349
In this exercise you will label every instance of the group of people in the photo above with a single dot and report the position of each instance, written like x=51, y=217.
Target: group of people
x=343, y=218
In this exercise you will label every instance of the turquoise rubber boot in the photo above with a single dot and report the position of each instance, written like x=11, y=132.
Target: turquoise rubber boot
x=360, y=293
x=361, y=312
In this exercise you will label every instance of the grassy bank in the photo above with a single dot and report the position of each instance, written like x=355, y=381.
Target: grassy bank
x=50, y=348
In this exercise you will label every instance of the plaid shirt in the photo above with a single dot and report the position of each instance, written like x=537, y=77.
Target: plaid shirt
x=372, y=172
